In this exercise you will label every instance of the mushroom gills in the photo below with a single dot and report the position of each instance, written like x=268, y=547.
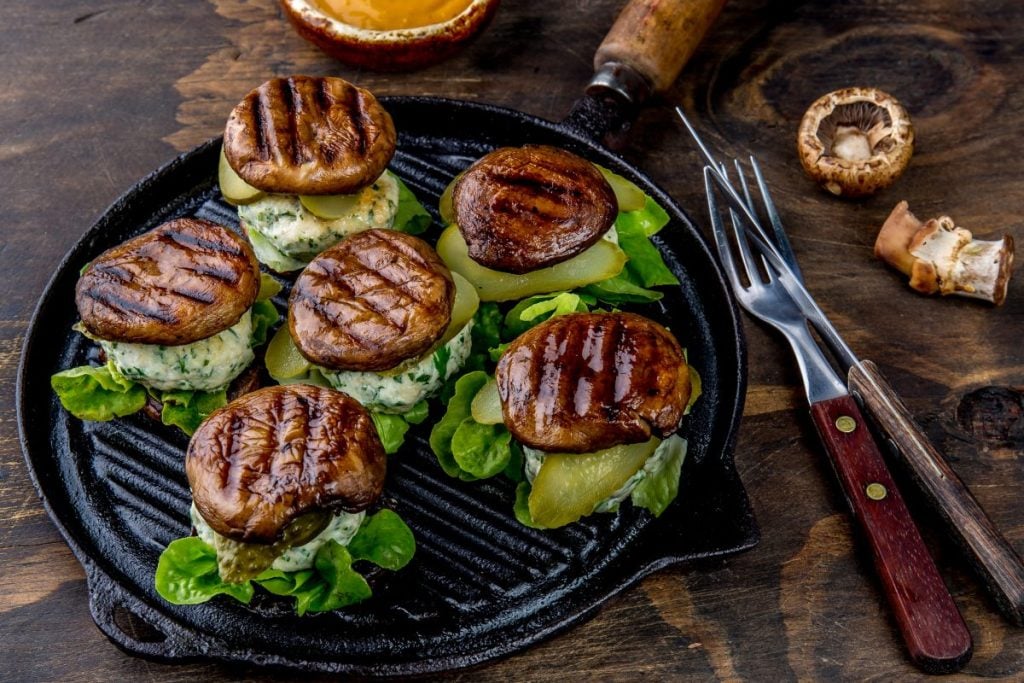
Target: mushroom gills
x=856, y=131
x=855, y=141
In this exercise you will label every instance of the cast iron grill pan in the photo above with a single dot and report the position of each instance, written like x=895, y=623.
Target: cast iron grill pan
x=481, y=586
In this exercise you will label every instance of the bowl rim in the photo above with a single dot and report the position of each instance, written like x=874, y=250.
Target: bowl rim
x=314, y=18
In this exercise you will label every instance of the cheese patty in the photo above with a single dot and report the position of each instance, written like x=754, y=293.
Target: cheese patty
x=286, y=235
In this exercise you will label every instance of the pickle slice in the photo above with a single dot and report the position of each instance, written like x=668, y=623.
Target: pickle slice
x=464, y=308
x=569, y=486
x=599, y=262
x=235, y=190
x=486, y=405
x=238, y=562
x=330, y=206
x=444, y=204
x=284, y=362
x=629, y=196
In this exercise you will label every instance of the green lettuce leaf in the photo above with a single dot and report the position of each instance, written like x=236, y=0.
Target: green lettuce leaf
x=98, y=394
x=385, y=540
x=418, y=414
x=458, y=410
x=186, y=574
x=649, y=219
x=411, y=217
x=534, y=310
x=481, y=450
x=514, y=468
x=486, y=333
x=621, y=289
x=267, y=253
x=288, y=583
x=645, y=263
x=342, y=585
x=391, y=429
x=264, y=316
x=660, y=487
x=464, y=448
x=521, y=508
x=269, y=287
x=332, y=583
x=187, y=409
x=645, y=267
x=486, y=327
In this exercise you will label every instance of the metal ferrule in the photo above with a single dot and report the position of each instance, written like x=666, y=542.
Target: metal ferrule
x=622, y=82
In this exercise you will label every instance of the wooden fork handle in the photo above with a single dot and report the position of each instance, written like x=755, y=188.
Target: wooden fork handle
x=928, y=620
x=991, y=555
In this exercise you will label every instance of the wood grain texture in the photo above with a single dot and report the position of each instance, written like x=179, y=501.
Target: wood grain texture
x=658, y=37
x=96, y=95
x=929, y=622
x=991, y=555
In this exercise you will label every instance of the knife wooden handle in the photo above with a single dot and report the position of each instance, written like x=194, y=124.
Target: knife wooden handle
x=933, y=630
x=991, y=555
x=657, y=37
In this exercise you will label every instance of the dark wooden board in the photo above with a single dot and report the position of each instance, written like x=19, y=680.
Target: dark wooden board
x=95, y=95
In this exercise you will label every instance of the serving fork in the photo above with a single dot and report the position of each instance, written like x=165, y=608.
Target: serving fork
x=986, y=549
x=771, y=289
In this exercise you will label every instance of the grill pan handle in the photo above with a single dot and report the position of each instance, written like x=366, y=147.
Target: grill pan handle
x=649, y=45
x=133, y=626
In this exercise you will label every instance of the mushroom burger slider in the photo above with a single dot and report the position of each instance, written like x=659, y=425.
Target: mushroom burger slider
x=596, y=400
x=305, y=160
x=281, y=479
x=172, y=308
x=380, y=317
x=530, y=220
x=276, y=469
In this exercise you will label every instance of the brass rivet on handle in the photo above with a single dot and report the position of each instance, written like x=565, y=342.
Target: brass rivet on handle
x=876, y=491
x=846, y=424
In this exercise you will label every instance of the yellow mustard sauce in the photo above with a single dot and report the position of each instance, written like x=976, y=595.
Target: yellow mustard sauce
x=388, y=15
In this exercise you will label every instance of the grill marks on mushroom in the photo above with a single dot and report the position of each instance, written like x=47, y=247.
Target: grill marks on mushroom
x=582, y=382
x=184, y=281
x=281, y=452
x=304, y=135
x=520, y=209
x=374, y=300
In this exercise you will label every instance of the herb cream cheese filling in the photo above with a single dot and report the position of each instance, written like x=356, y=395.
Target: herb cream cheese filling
x=397, y=391
x=206, y=365
x=342, y=528
x=286, y=235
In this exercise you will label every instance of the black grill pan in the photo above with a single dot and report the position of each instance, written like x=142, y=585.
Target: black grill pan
x=481, y=586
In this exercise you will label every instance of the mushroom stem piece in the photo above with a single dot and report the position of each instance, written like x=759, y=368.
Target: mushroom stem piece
x=942, y=258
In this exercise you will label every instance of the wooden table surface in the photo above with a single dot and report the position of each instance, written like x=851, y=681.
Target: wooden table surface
x=94, y=95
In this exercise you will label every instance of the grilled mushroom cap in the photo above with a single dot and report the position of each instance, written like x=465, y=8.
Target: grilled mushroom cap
x=270, y=456
x=370, y=302
x=855, y=141
x=582, y=382
x=524, y=208
x=304, y=135
x=184, y=281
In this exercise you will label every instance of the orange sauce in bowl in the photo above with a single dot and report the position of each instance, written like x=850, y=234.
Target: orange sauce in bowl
x=388, y=15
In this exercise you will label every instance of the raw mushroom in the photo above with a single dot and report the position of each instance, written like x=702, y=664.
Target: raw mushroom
x=855, y=141
x=941, y=257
